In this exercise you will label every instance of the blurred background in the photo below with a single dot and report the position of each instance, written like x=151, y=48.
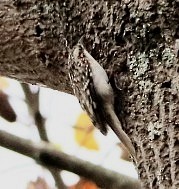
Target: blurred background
x=24, y=108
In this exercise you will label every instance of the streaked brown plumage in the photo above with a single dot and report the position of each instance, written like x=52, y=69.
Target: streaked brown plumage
x=91, y=86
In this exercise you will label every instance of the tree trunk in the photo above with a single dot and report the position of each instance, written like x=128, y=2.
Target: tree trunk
x=137, y=42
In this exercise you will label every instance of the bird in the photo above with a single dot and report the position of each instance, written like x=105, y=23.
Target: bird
x=91, y=86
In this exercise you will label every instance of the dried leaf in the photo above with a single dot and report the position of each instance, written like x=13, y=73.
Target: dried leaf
x=125, y=154
x=40, y=183
x=6, y=110
x=84, y=184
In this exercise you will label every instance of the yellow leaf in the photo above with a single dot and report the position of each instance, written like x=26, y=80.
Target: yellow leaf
x=3, y=83
x=84, y=132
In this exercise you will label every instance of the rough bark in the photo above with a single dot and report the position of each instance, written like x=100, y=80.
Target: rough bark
x=32, y=49
x=135, y=41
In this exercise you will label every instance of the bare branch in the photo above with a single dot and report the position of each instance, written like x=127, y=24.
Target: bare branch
x=33, y=105
x=48, y=156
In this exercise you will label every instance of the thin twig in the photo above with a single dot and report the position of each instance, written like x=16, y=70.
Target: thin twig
x=33, y=105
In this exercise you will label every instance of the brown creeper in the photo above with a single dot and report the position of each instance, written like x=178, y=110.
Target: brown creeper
x=92, y=88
